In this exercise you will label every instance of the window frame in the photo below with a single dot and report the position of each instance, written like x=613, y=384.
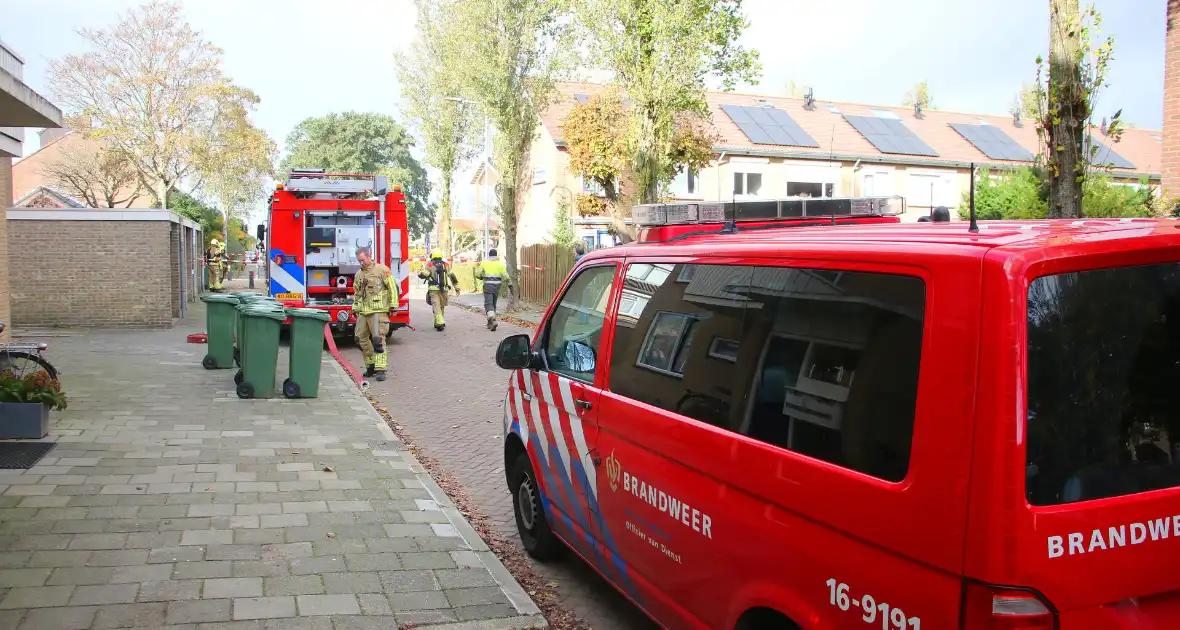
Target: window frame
x=689, y=175
x=745, y=175
x=602, y=358
x=686, y=325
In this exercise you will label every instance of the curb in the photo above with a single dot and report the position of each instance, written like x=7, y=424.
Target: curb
x=530, y=614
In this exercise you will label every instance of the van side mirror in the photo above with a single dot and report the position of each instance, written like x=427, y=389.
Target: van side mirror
x=514, y=353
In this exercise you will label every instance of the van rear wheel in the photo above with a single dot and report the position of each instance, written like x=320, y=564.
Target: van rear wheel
x=535, y=535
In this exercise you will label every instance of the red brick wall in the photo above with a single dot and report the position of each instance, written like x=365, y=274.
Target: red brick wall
x=92, y=273
x=5, y=203
x=1171, y=156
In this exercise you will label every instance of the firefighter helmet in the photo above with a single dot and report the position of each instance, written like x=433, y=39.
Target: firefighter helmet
x=436, y=254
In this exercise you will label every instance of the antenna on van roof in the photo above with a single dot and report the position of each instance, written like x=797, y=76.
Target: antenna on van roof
x=974, y=226
x=730, y=226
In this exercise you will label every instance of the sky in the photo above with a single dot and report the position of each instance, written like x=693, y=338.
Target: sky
x=308, y=58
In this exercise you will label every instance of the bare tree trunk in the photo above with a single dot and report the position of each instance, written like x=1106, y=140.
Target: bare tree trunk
x=619, y=213
x=508, y=225
x=444, y=219
x=1068, y=125
x=160, y=191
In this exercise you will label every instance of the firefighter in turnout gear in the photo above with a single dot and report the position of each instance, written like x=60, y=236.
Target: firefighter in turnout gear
x=493, y=273
x=375, y=296
x=439, y=279
x=215, y=261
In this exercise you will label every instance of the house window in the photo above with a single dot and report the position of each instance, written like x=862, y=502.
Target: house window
x=538, y=176
x=810, y=189
x=591, y=187
x=877, y=184
x=686, y=184
x=931, y=189
x=747, y=184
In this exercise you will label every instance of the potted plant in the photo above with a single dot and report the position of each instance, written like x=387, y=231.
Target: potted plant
x=25, y=403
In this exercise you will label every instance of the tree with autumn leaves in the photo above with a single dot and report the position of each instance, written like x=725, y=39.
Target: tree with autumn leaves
x=662, y=53
x=152, y=93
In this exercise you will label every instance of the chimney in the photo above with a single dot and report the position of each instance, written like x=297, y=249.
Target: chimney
x=1016, y=120
x=1171, y=148
x=918, y=110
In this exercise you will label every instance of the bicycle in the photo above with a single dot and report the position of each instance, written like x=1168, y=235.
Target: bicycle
x=24, y=358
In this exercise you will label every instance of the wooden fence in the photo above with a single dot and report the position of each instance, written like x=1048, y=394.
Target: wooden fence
x=543, y=267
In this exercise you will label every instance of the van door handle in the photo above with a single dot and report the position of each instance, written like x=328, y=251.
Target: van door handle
x=584, y=405
x=527, y=396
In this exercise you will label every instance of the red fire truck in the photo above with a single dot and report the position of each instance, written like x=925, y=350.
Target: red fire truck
x=316, y=222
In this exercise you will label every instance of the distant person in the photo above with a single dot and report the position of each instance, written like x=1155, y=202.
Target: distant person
x=579, y=251
x=941, y=214
x=924, y=219
x=492, y=271
x=439, y=281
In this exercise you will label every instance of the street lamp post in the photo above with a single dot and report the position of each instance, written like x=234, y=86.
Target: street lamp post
x=487, y=132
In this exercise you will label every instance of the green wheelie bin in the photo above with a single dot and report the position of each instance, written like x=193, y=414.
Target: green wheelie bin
x=239, y=333
x=219, y=326
x=247, y=297
x=307, y=346
x=260, y=350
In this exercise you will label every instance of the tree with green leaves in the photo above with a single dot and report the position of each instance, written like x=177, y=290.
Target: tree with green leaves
x=352, y=142
x=661, y=53
x=1076, y=71
x=152, y=88
x=1026, y=103
x=504, y=55
x=563, y=234
x=430, y=89
x=919, y=95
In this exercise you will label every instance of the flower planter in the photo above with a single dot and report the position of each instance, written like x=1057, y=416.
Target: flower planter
x=24, y=421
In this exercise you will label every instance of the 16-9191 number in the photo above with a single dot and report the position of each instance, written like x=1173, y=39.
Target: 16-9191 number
x=872, y=611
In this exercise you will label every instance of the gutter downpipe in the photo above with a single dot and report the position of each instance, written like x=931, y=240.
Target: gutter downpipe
x=719, y=159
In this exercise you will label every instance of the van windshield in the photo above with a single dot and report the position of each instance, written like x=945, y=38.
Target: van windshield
x=1103, y=384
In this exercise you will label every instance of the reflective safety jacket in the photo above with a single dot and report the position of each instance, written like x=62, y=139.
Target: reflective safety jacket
x=438, y=276
x=492, y=271
x=376, y=290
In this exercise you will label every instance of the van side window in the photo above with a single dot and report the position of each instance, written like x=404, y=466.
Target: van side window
x=820, y=362
x=1103, y=415
x=575, y=328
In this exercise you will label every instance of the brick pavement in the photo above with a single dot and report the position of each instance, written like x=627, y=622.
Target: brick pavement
x=458, y=422
x=169, y=503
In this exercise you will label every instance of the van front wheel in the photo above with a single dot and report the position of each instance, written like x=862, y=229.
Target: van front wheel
x=538, y=540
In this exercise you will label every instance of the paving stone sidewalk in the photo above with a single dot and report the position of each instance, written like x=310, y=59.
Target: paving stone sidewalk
x=170, y=503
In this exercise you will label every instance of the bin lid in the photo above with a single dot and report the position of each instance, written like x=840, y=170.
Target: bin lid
x=274, y=306
x=219, y=297
x=255, y=297
x=310, y=313
x=265, y=312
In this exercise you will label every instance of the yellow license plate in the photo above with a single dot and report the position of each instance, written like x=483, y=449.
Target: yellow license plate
x=289, y=296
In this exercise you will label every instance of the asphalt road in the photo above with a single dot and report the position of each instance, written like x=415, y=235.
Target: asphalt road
x=445, y=390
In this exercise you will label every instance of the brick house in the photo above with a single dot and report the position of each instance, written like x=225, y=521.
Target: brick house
x=773, y=147
x=73, y=267
x=20, y=107
x=29, y=173
x=1171, y=149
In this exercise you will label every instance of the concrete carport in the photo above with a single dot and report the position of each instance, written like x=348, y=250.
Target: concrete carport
x=20, y=107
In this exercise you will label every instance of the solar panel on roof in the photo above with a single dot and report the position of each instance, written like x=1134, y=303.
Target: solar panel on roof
x=993, y=142
x=890, y=136
x=768, y=125
x=1105, y=156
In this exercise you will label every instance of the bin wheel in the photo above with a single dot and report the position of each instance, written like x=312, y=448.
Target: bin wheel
x=209, y=362
x=238, y=377
x=245, y=390
x=290, y=388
